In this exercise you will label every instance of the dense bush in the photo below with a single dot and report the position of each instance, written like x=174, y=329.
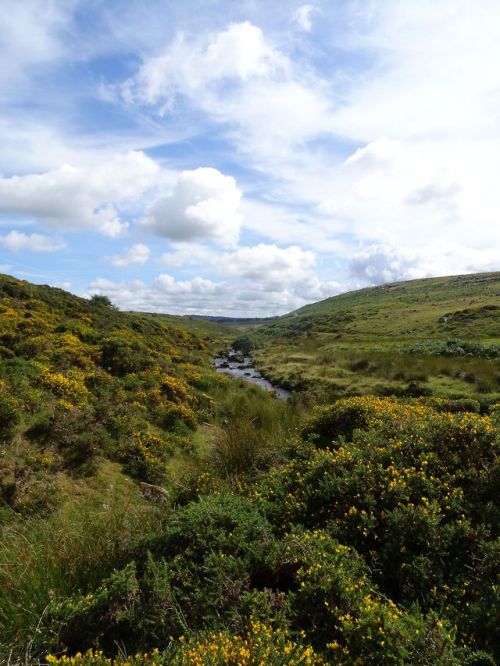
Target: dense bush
x=195, y=574
x=456, y=348
x=246, y=343
x=412, y=490
x=84, y=377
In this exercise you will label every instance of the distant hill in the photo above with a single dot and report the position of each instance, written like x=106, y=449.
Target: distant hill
x=233, y=320
x=398, y=337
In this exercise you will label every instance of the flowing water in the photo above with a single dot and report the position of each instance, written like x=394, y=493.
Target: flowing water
x=235, y=364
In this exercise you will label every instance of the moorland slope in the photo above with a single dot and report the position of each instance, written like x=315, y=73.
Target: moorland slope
x=438, y=336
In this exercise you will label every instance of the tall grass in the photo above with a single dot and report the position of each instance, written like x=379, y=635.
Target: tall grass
x=42, y=559
x=254, y=428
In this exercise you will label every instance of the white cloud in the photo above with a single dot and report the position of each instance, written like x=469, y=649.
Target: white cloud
x=273, y=266
x=271, y=278
x=30, y=34
x=406, y=193
x=424, y=109
x=239, y=79
x=16, y=241
x=250, y=281
x=302, y=17
x=63, y=285
x=204, y=205
x=284, y=277
x=81, y=197
x=204, y=296
x=426, y=79
x=165, y=294
x=190, y=66
x=137, y=254
x=377, y=264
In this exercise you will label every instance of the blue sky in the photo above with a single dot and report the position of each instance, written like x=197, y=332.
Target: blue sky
x=247, y=158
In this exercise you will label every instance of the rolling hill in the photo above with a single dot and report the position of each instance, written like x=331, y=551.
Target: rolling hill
x=438, y=336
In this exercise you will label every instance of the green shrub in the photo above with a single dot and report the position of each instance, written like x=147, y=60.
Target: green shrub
x=246, y=343
x=193, y=575
x=456, y=348
x=413, y=493
x=340, y=610
x=45, y=560
x=213, y=549
x=9, y=417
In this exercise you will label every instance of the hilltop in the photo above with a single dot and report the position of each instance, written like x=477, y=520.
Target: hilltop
x=438, y=336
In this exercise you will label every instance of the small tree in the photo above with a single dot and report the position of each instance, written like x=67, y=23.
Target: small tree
x=101, y=300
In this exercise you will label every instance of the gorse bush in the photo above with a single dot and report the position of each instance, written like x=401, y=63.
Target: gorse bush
x=380, y=550
x=260, y=644
x=86, y=383
x=412, y=490
x=9, y=416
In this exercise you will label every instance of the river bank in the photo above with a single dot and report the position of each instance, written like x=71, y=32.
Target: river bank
x=237, y=365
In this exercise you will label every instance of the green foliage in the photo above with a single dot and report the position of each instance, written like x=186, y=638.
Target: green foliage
x=246, y=343
x=9, y=417
x=252, y=432
x=413, y=491
x=101, y=301
x=195, y=572
x=80, y=379
x=366, y=533
x=456, y=348
x=337, y=605
x=46, y=560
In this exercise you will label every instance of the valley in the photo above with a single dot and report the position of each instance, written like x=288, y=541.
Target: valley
x=156, y=511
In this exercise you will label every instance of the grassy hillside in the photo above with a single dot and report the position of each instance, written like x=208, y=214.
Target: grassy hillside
x=439, y=336
x=151, y=507
x=81, y=382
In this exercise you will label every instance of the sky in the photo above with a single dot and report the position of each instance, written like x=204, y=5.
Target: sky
x=246, y=158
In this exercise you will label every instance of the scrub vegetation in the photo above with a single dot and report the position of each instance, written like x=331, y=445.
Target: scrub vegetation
x=154, y=512
x=439, y=337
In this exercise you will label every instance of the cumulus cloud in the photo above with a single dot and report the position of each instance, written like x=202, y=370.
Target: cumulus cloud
x=204, y=296
x=17, y=240
x=204, y=205
x=137, y=254
x=191, y=66
x=284, y=277
x=165, y=294
x=274, y=266
x=73, y=197
x=250, y=281
x=378, y=264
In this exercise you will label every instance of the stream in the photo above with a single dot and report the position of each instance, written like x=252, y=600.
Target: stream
x=237, y=365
